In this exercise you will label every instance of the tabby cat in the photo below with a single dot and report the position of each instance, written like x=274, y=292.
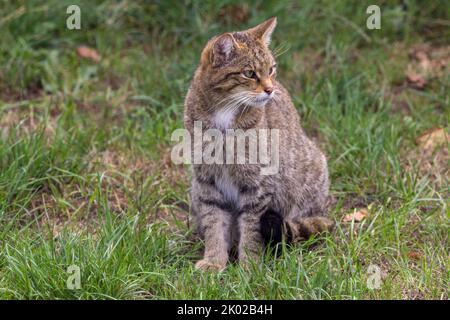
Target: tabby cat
x=234, y=205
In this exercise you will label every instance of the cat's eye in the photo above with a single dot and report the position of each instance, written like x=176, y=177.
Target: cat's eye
x=272, y=70
x=249, y=74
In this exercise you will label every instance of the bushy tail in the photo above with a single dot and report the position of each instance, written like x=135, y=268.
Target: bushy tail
x=273, y=228
x=303, y=228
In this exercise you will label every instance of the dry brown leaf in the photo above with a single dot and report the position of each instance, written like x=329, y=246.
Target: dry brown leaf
x=433, y=138
x=358, y=216
x=88, y=53
x=415, y=255
x=424, y=62
x=416, y=80
x=427, y=63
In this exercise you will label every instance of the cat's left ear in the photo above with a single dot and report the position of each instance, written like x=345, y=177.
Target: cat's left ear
x=264, y=30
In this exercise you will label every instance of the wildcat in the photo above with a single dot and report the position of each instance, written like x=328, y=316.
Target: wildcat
x=234, y=87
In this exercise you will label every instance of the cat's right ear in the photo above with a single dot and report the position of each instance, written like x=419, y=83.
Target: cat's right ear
x=220, y=51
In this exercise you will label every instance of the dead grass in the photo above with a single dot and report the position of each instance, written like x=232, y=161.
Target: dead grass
x=430, y=158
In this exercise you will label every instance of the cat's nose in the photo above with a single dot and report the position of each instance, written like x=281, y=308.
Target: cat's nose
x=268, y=90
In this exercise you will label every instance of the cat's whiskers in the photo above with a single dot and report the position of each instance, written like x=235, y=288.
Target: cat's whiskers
x=219, y=104
x=227, y=107
x=281, y=49
x=232, y=99
x=236, y=101
x=276, y=95
x=226, y=113
x=246, y=106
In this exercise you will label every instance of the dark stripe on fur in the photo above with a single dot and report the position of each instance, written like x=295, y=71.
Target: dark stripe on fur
x=208, y=180
x=227, y=76
x=248, y=189
x=258, y=205
x=225, y=206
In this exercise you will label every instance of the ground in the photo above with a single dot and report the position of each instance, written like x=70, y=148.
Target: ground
x=85, y=173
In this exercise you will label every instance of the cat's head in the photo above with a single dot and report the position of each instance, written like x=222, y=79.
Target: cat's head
x=238, y=67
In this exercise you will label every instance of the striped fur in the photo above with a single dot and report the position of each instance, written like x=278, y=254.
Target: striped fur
x=233, y=204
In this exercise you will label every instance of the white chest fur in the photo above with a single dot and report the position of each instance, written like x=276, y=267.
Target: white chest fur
x=223, y=119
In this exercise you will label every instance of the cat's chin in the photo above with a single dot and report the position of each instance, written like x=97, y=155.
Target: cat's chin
x=261, y=100
x=259, y=103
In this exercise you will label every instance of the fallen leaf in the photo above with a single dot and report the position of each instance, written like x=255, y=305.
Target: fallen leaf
x=88, y=53
x=358, y=216
x=416, y=80
x=415, y=255
x=424, y=62
x=433, y=138
x=427, y=64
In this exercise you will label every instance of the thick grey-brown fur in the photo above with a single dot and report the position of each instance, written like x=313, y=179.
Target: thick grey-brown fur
x=228, y=200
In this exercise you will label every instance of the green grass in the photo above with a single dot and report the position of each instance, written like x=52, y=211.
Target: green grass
x=85, y=178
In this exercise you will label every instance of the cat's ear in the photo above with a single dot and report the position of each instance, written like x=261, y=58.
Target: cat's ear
x=264, y=30
x=223, y=50
x=219, y=51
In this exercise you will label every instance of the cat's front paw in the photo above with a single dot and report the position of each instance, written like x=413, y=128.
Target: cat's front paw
x=208, y=265
x=248, y=261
